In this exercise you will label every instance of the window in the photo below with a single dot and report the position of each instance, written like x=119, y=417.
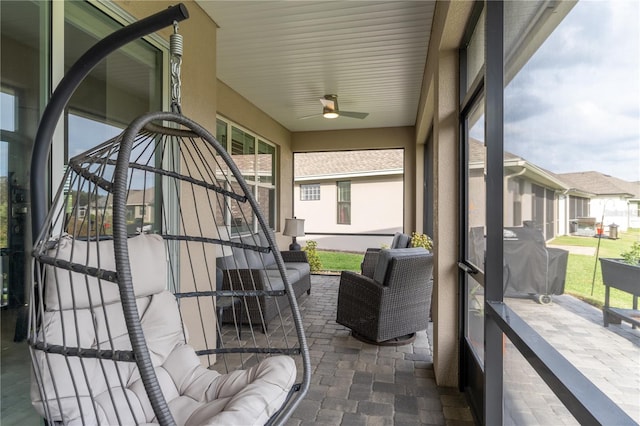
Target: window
x=24, y=77
x=257, y=159
x=107, y=100
x=344, y=202
x=578, y=207
x=310, y=192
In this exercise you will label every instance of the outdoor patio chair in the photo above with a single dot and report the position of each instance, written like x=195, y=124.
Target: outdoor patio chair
x=368, y=265
x=125, y=309
x=391, y=306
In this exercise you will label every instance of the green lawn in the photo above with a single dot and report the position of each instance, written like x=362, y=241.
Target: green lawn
x=580, y=268
x=334, y=261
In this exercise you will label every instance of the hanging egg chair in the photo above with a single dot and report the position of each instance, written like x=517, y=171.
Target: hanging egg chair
x=160, y=295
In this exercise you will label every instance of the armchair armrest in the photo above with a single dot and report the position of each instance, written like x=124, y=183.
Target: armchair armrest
x=358, y=301
x=294, y=256
x=368, y=265
x=358, y=292
x=353, y=282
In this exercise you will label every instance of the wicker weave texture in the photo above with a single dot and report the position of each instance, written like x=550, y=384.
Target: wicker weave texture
x=397, y=307
x=260, y=310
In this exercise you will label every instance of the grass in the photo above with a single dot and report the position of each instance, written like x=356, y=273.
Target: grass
x=580, y=268
x=333, y=261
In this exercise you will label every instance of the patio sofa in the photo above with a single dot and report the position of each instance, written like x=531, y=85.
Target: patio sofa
x=260, y=269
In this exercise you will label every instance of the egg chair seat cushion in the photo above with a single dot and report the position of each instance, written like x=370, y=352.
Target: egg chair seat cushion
x=89, y=390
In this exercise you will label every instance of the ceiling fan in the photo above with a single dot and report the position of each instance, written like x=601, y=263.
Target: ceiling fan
x=330, y=109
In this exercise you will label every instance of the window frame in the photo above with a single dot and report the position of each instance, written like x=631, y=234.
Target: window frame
x=255, y=181
x=309, y=192
x=340, y=203
x=586, y=402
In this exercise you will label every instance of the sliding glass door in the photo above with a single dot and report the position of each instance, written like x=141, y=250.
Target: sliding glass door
x=24, y=74
x=556, y=86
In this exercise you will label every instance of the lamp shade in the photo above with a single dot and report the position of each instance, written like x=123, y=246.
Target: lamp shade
x=294, y=227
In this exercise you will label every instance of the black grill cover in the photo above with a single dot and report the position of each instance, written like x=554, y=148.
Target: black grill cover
x=529, y=266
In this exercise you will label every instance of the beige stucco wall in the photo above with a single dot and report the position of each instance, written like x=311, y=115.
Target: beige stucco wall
x=376, y=203
x=376, y=138
x=199, y=94
x=439, y=114
x=199, y=100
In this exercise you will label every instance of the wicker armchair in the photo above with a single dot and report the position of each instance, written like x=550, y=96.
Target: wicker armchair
x=370, y=260
x=392, y=304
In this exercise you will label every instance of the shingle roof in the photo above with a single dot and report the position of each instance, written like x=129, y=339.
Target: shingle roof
x=333, y=163
x=477, y=152
x=137, y=196
x=588, y=182
x=600, y=184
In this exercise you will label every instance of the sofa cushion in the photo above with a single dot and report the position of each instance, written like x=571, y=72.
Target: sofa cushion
x=273, y=281
x=385, y=257
x=268, y=258
x=302, y=268
x=246, y=258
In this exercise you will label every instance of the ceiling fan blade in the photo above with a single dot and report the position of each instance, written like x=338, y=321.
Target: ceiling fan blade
x=353, y=114
x=309, y=116
x=328, y=103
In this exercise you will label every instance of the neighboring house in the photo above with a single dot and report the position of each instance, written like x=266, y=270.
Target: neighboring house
x=611, y=200
x=140, y=205
x=558, y=204
x=530, y=192
x=352, y=192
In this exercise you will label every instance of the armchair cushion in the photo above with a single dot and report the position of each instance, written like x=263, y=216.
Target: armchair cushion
x=400, y=240
x=384, y=260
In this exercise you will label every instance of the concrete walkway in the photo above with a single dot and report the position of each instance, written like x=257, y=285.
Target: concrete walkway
x=585, y=251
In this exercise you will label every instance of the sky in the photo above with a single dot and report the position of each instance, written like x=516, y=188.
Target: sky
x=7, y=122
x=575, y=105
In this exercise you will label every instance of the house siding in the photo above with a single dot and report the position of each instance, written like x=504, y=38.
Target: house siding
x=376, y=208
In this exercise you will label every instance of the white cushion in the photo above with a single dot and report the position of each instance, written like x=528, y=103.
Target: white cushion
x=64, y=289
x=196, y=395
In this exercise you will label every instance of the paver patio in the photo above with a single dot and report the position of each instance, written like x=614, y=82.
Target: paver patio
x=354, y=383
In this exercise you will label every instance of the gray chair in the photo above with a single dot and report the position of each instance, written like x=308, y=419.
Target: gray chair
x=368, y=265
x=394, y=303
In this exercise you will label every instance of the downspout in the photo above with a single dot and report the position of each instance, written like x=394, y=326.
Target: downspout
x=567, y=219
x=506, y=183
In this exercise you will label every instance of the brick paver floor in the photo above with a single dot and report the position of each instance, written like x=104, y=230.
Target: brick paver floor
x=354, y=383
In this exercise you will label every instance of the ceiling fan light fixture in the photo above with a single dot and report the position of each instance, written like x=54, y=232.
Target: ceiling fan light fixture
x=329, y=113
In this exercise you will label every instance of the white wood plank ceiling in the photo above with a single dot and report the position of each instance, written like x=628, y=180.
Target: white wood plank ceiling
x=284, y=55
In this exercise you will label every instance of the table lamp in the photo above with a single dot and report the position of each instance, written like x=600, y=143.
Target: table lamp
x=294, y=228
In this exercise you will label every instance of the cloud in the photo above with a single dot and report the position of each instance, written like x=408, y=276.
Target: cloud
x=575, y=106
